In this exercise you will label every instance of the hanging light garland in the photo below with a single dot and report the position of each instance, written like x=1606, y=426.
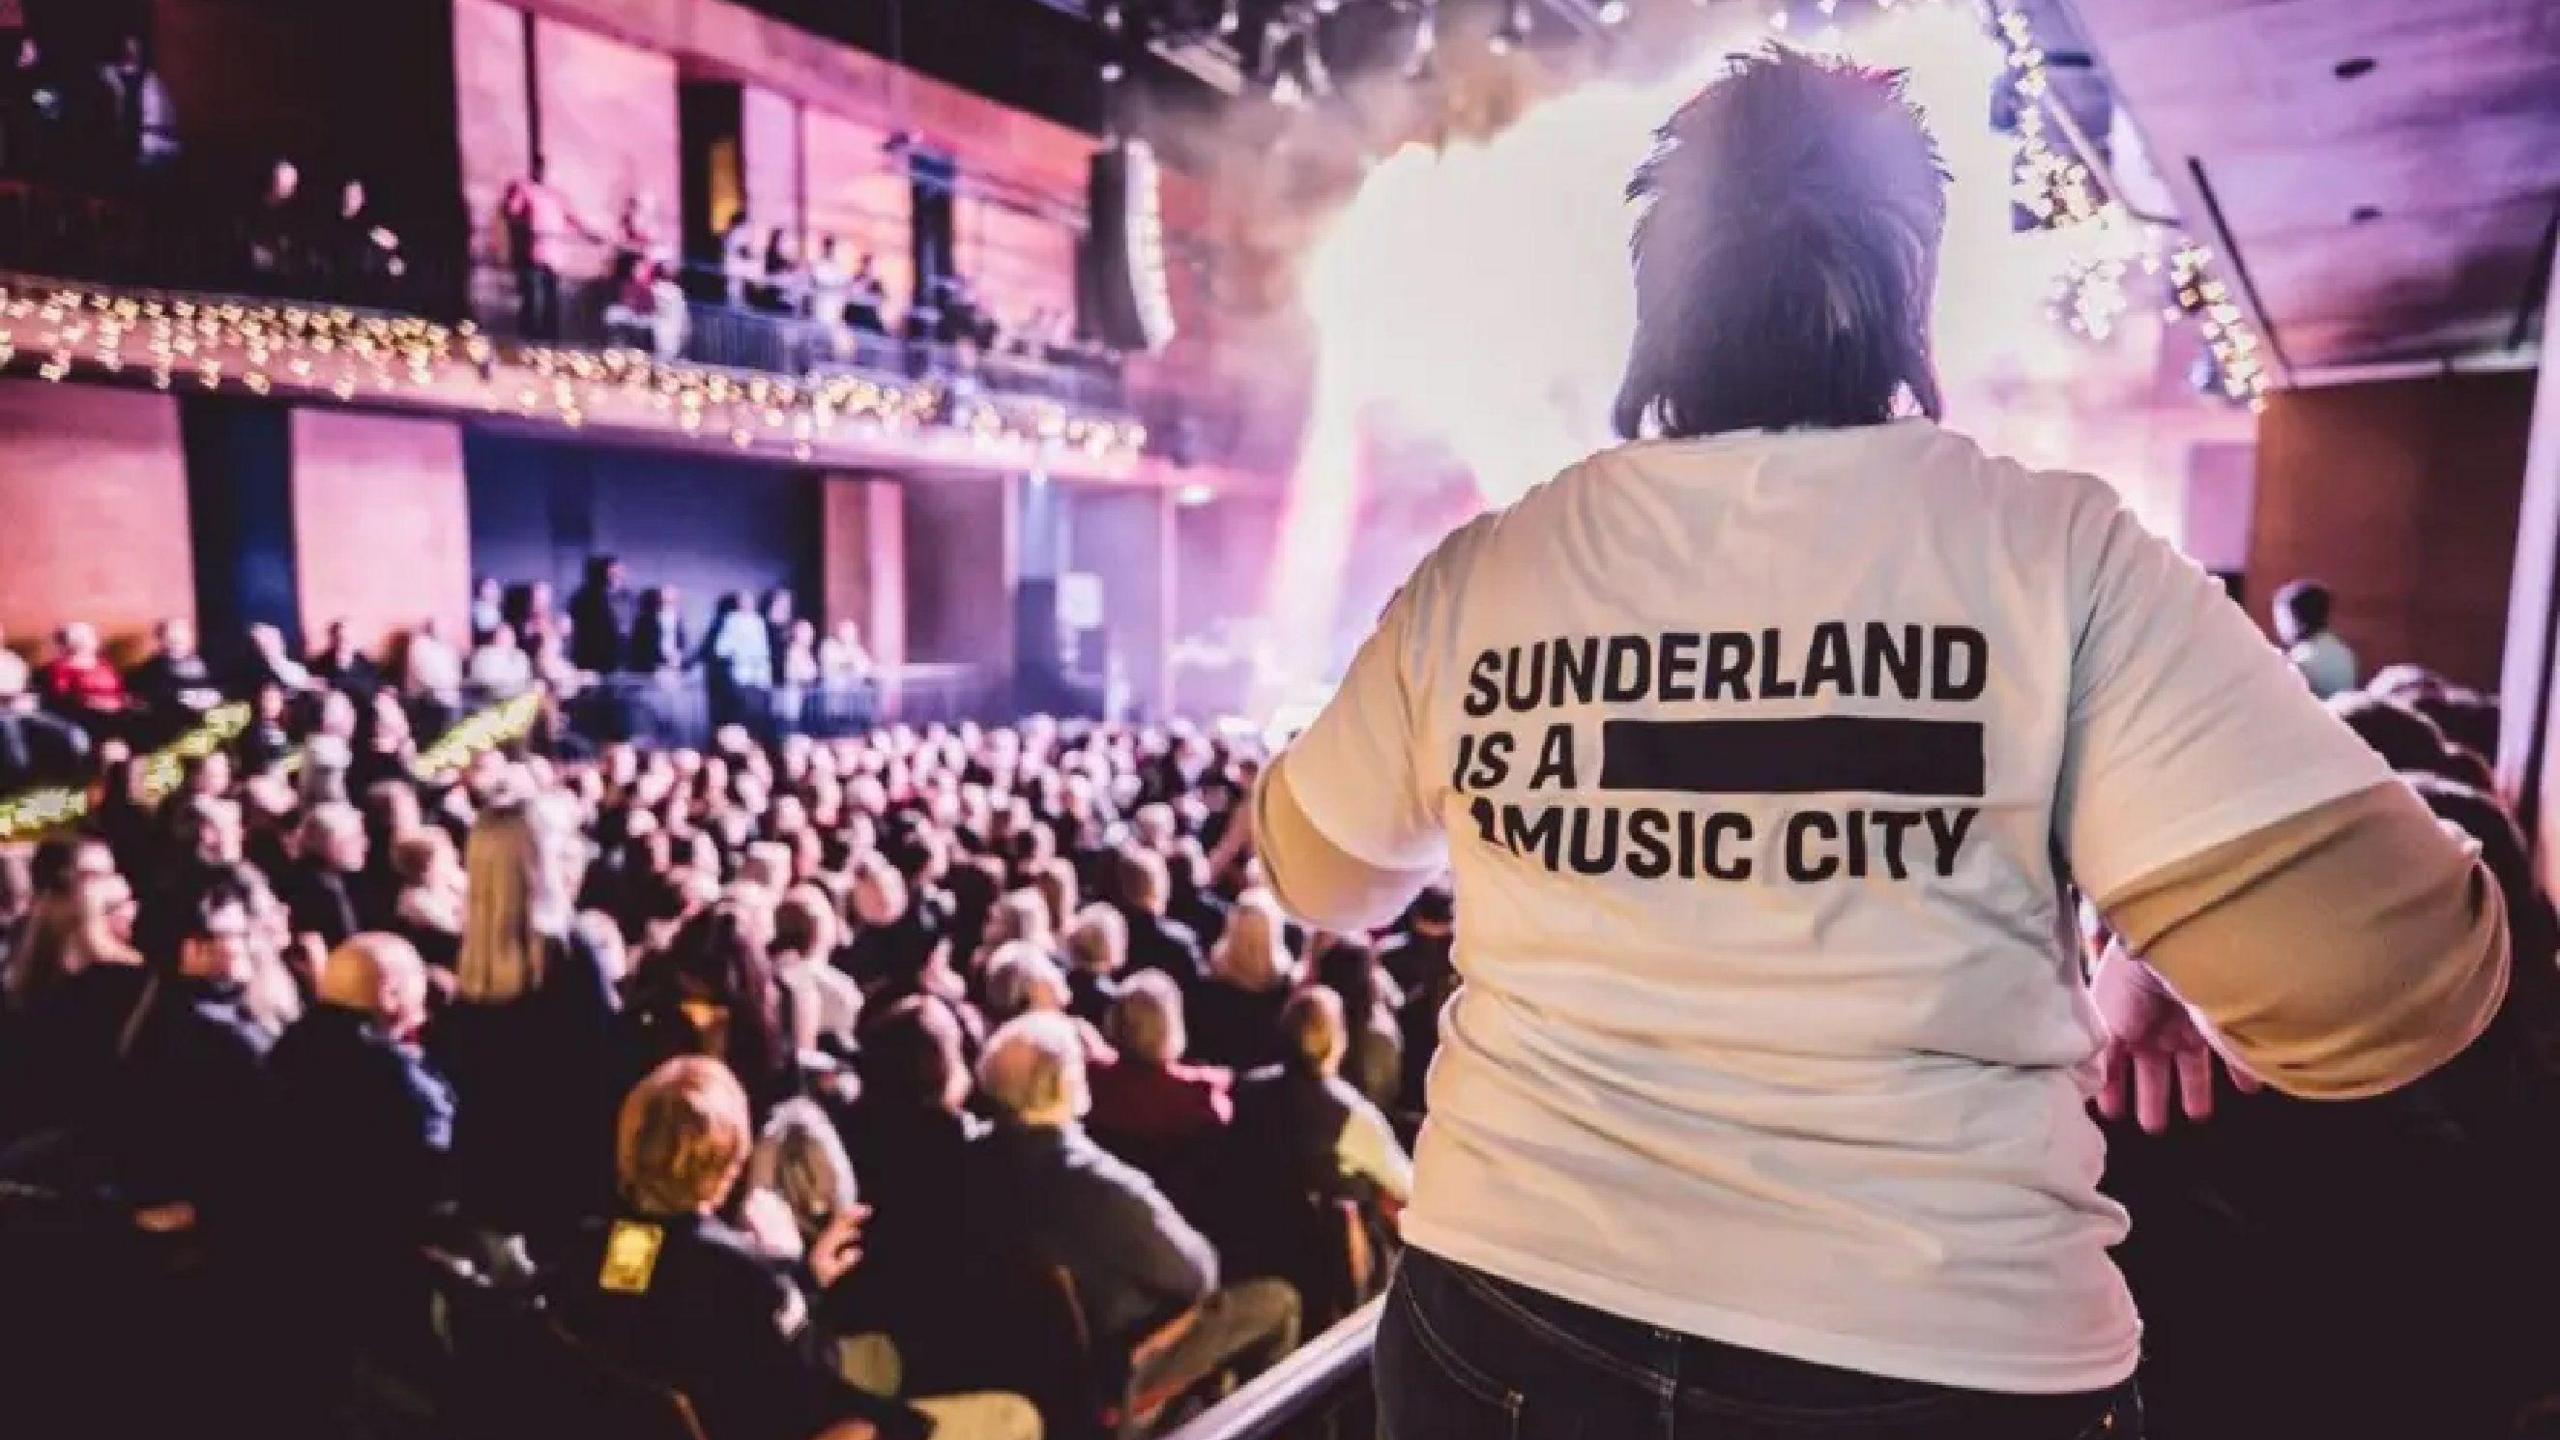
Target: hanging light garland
x=346, y=353
x=2231, y=343
x=34, y=812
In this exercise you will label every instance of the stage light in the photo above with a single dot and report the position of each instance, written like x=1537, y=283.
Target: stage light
x=1230, y=17
x=1113, y=20
x=1517, y=22
x=1612, y=12
x=1113, y=72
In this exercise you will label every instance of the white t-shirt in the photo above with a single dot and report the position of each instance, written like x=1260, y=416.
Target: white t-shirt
x=2325, y=664
x=1761, y=763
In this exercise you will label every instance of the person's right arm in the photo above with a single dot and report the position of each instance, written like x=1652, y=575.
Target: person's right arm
x=2250, y=849
x=1158, y=1251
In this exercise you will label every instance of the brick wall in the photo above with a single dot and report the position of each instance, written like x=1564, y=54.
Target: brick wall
x=381, y=523
x=94, y=492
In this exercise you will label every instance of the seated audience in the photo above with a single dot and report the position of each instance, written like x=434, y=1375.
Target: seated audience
x=1374, y=1063
x=81, y=686
x=1143, y=889
x=363, y=1128
x=2302, y=624
x=323, y=882
x=499, y=668
x=665, y=1287
x=1149, y=1107
x=1097, y=953
x=427, y=909
x=529, y=1042
x=825, y=1005
x=343, y=666
x=1302, y=1116
x=1041, y=1189
x=711, y=992
x=32, y=744
x=174, y=679
x=1235, y=1017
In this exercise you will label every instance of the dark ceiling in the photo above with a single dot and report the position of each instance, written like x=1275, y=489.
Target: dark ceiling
x=2386, y=172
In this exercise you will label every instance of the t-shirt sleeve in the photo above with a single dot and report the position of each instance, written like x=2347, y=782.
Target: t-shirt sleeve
x=2187, y=728
x=1357, y=772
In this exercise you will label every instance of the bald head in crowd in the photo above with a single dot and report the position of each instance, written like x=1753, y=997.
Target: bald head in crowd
x=381, y=976
x=1033, y=1071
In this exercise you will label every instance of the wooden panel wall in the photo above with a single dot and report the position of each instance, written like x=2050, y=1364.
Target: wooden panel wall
x=865, y=561
x=94, y=494
x=381, y=523
x=609, y=128
x=2402, y=497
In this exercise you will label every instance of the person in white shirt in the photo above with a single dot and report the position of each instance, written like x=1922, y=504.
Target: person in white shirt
x=499, y=668
x=2302, y=623
x=1765, y=752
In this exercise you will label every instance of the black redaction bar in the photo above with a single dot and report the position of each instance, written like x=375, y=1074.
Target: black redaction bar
x=1794, y=757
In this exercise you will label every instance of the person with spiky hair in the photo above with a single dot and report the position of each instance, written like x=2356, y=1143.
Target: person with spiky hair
x=1763, y=750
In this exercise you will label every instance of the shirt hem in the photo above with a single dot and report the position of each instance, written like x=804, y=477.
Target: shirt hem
x=2061, y=1375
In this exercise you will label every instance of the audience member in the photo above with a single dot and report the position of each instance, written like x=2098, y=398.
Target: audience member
x=321, y=884
x=429, y=907
x=1142, y=891
x=1097, y=952
x=1374, y=1058
x=529, y=1040
x=665, y=1287
x=1140, y=1271
x=500, y=669
x=2302, y=623
x=602, y=613
x=539, y=222
x=342, y=665
x=80, y=684
x=1236, y=1016
x=1149, y=1107
x=362, y=1130
x=145, y=121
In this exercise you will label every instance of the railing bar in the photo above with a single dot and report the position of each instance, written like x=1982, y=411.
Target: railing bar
x=1289, y=1390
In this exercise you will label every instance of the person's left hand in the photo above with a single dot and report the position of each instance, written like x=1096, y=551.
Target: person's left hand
x=2157, y=1047
x=838, y=1247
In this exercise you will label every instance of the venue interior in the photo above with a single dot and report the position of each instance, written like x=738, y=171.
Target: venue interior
x=820, y=519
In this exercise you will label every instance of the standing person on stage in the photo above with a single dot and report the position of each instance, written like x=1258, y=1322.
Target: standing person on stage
x=1764, y=750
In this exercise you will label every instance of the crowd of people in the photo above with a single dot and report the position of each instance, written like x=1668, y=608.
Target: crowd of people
x=811, y=1079
x=762, y=664
x=658, y=1041
x=102, y=118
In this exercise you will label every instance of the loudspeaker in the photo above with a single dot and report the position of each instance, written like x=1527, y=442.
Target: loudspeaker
x=1039, y=640
x=1128, y=305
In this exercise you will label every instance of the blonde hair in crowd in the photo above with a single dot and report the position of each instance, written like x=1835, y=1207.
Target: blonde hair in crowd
x=682, y=1137
x=1254, y=953
x=514, y=902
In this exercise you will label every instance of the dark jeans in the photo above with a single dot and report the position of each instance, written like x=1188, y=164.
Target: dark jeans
x=538, y=302
x=1244, y=1328
x=1463, y=1356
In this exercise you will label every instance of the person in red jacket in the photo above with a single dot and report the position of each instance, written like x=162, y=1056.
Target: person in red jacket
x=80, y=685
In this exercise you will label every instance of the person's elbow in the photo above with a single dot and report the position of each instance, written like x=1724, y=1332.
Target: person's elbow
x=2422, y=1005
x=1314, y=879
x=2340, y=954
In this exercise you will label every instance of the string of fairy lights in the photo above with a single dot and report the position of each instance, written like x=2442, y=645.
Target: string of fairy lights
x=256, y=346
x=2056, y=189
x=34, y=813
